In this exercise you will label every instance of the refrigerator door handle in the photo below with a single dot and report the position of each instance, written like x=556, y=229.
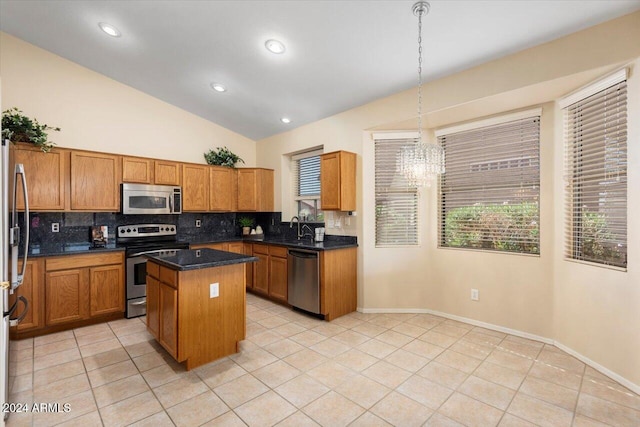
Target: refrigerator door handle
x=16, y=279
x=17, y=320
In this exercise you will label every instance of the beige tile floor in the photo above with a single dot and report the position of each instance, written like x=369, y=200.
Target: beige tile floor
x=294, y=370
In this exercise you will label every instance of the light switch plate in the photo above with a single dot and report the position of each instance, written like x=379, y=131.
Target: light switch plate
x=214, y=290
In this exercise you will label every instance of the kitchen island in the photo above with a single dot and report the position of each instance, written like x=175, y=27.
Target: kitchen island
x=196, y=303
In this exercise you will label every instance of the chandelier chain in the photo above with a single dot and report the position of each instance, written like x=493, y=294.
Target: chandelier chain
x=420, y=13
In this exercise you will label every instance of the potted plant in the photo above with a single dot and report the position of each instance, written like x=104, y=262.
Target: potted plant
x=246, y=223
x=16, y=127
x=222, y=157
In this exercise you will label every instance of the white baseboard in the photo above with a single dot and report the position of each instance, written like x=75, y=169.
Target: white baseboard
x=625, y=382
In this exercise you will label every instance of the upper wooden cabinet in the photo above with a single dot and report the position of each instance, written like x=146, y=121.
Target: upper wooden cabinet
x=46, y=177
x=137, y=169
x=167, y=172
x=195, y=188
x=222, y=189
x=95, y=181
x=255, y=190
x=338, y=181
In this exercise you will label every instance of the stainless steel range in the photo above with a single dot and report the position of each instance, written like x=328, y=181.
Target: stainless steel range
x=139, y=240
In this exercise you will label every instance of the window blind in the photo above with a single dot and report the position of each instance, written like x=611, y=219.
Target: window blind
x=396, y=212
x=596, y=177
x=490, y=191
x=306, y=175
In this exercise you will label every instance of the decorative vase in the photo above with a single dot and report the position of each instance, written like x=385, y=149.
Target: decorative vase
x=246, y=231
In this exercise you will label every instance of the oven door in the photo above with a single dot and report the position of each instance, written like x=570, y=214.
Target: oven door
x=136, y=277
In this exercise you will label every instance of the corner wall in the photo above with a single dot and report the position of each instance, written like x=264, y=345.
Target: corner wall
x=100, y=114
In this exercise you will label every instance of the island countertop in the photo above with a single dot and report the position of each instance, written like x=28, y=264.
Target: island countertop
x=195, y=259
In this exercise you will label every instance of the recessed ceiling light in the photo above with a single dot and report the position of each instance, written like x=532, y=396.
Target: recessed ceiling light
x=109, y=29
x=218, y=87
x=274, y=46
x=285, y=120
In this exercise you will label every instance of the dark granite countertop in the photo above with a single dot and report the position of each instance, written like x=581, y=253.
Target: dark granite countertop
x=200, y=258
x=328, y=244
x=54, y=249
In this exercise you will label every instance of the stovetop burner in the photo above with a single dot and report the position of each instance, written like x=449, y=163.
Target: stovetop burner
x=148, y=237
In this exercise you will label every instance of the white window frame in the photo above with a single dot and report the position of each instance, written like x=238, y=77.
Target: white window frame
x=531, y=185
x=392, y=171
x=608, y=203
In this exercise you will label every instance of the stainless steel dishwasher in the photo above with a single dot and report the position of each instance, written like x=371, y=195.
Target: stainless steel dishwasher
x=304, y=280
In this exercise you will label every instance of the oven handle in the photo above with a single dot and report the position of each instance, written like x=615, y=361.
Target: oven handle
x=152, y=252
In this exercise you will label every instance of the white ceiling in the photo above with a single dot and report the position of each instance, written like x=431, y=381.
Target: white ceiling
x=340, y=54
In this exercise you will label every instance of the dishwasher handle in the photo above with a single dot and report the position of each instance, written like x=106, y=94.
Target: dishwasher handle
x=303, y=254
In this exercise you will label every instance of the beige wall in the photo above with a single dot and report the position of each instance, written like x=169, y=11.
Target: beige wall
x=98, y=113
x=593, y=313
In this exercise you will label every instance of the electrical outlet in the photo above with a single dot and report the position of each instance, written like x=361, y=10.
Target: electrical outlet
x=55, y=227
x=198, y=223
x=214, y=290
x=475, y=295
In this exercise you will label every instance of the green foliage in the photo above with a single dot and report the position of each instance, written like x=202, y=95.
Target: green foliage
x=245, y=221
x=595, y=239
x=222, y=157
x=510, y=228
x=17, y=127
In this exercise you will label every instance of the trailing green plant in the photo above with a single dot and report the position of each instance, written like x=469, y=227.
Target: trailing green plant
x=245, y=221
x=222, y=157
x=17, y=127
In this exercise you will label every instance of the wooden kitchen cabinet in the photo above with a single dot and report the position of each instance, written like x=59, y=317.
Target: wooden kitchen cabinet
x=137, y=170
x=248, y=250
x=106, y=290
x=338, y=282
x=81, y=287
x=195, y=189
x=224, y=246
x=338, y=181
x=153, y=305
x=278, y=272
x=222, y=189
x=255, y=190
x=67, y=296
x=95, y=181
x=32, y=289
x=46, y=175
x=167, y=172
x=168, y=313
x=261, y=269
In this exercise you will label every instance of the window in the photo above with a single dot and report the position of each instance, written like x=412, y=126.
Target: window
x=396, y=203
x=596, y=172
x=489, y=193
x=306, y=185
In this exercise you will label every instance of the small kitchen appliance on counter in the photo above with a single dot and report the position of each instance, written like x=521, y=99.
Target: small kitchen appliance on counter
x=140, y=240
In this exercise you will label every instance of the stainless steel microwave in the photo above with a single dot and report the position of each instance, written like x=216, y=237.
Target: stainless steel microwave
x=142, y=199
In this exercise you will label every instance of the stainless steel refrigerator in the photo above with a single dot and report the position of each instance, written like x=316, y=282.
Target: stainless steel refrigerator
x=11, y=278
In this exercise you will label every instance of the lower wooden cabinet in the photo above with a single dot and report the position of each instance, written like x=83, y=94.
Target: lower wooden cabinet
x=153, y=306
x=269, y=276
x=32, y=289
x=80, y=287
x=261, y=269
x=168, y=317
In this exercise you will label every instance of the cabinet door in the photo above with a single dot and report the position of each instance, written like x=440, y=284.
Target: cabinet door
x=236, y=247
x=248, y=250
x=137, y=169
x=195, y=188
x=261, y=273
x=169, y=319
x=67, y=296
x=221, y=197
x=338, y=181
x=106, y=289
x=45, y=174
x=32, y=289
x=247, y=191
x=153, y=306
x=278, y=278
x=95, y=181
x=167, y=173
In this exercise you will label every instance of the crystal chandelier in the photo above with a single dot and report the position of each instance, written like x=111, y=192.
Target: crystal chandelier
x=421, y=162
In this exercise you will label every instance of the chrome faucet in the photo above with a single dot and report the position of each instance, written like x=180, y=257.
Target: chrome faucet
x=291, y=225
x=310, y=233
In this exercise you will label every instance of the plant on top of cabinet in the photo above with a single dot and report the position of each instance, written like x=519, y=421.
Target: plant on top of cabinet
x=222, y=157
x=17, y=127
